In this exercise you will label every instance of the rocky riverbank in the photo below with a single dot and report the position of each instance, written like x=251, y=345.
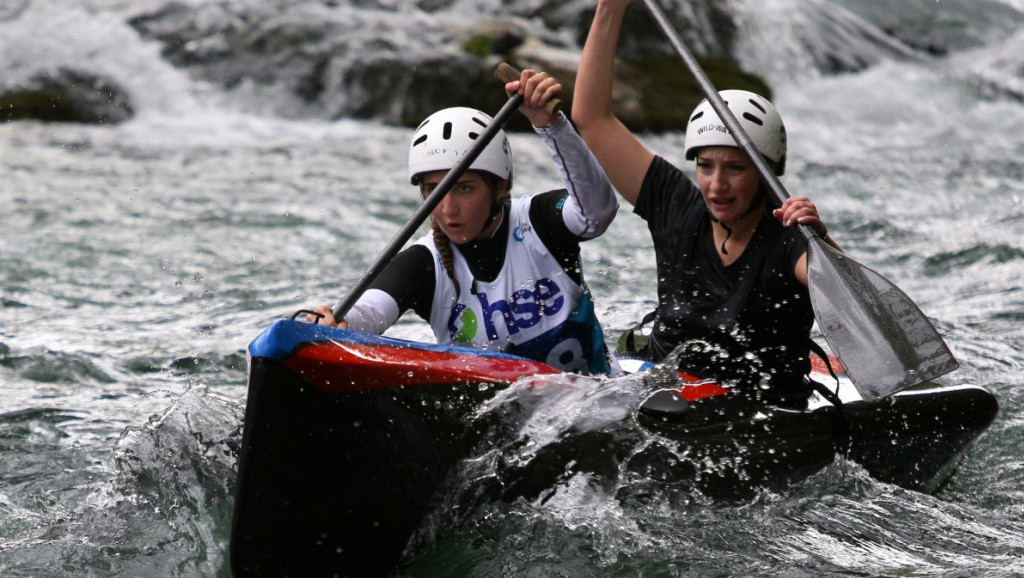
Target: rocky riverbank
x=397, y=61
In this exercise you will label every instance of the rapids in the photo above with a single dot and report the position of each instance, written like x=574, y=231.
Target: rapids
x=138, y=260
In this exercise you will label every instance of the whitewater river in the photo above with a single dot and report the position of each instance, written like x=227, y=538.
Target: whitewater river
x=138, y=261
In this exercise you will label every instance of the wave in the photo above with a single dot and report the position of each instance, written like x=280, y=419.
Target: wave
x=941, y=264
x=42, y=365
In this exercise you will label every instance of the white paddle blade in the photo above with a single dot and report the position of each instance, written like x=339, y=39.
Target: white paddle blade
x=882, y=338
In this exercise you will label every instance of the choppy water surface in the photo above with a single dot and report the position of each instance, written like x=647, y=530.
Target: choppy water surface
x=137, y=262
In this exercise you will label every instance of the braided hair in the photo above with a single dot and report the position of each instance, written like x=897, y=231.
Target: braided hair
x=444, y=247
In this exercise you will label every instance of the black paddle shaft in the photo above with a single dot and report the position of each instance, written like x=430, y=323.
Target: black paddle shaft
x=883, y=340
x=429, y=204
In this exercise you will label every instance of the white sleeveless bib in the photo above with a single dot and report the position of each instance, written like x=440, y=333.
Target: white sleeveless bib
x=530, y=308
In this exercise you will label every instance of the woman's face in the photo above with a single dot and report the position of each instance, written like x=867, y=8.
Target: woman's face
x=728, y=182
x=465, y=209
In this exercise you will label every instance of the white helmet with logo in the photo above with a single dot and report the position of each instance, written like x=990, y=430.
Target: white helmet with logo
x=444, y=138
x=756, y=115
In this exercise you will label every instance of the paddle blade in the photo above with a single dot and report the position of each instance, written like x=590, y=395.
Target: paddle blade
x=883, y=340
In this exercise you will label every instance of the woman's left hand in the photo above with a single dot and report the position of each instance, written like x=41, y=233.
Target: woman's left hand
x=800, y=210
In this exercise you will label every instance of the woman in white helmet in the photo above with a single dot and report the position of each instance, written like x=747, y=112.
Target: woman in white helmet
x=732, y=269
x=496, y=272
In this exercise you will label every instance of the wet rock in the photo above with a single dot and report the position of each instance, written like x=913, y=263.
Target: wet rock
x=398, y=60
x=332, y=61
x=231, y=45
x=653, y=91
x=434, y=5
x=407, y=91
x=66, y=95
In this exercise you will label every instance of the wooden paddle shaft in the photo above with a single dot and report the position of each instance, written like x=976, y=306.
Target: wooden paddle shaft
x=505, y=72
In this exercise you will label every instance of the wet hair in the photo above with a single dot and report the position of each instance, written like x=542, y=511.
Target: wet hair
x=764, y=194
x=493, y=180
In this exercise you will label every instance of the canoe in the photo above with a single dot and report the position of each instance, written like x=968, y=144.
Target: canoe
x=348, y=437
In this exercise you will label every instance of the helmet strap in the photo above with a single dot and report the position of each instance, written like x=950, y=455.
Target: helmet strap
x=758, y=203
x=496, y=208
x=498, y=202
x=728, y=233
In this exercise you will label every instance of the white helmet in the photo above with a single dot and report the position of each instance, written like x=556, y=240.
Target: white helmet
x=756, y=115
x=445, y=136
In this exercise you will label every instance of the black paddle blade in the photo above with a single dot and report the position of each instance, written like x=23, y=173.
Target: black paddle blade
x=883, y=340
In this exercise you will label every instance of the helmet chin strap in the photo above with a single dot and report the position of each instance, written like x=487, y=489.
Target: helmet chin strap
x=758, y=203
x=496, y=208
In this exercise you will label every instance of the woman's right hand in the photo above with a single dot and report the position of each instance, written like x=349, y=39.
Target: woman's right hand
x=537, y=88
x=325, y=317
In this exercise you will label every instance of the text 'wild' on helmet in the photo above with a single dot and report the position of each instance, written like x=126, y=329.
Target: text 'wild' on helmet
x=756, y=116
x=444, y=138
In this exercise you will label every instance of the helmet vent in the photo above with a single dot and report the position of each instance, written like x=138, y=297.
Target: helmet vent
x=447, y=136
x=753, y=119
x=756, y=116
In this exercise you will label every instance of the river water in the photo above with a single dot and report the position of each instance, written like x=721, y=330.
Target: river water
x=137, y=262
